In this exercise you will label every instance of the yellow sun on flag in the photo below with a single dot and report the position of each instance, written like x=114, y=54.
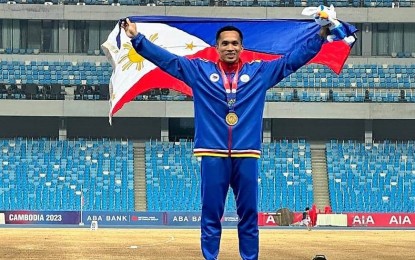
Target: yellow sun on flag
x=132, y=57
x=190, y=46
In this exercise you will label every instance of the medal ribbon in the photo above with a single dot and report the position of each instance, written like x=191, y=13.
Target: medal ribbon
x=230, y=88
x=230, y=99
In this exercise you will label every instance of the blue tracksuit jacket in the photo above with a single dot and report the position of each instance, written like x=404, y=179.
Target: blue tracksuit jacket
x=213, y=137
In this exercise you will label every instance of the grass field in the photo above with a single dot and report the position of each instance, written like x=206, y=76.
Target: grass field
x=157, y=244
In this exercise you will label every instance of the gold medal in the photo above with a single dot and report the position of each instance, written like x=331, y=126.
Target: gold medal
x=231, y=119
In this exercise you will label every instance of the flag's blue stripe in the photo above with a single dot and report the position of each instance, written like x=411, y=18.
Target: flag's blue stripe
x=118, y=39
x=269, y=37
x=274, y=36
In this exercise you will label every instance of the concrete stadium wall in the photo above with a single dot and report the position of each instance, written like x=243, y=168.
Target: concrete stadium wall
x=184, y=109
x=152, y=128
x=324, y=130
x=132, y=128
x=394, y=130
x=29, y=127
x=318, y=129
x=86, y=127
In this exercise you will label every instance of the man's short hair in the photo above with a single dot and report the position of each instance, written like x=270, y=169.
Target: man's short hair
x=229, y=28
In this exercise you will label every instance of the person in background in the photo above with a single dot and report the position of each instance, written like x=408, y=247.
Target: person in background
x=306, y=220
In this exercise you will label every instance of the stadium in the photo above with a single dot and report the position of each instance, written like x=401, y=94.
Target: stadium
x=343, y=143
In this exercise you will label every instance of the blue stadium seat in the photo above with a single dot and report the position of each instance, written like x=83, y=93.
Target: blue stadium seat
x=375, y=176
x=56, y=175
x=171, y=172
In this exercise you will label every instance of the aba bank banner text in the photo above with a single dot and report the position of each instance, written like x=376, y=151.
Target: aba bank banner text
x=124, y=218
x=193, y=219
x=42, y=217
x=381, y=219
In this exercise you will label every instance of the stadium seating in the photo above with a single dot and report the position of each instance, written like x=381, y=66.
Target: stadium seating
x=65, y=73
x=378, y=177
x=49, y=174
x=44, y=174
x=367, y=76
x=173, y=177
x=285, y=176
x=313, y=83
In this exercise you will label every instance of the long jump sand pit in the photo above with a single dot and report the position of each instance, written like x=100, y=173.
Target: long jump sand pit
x=157, y=244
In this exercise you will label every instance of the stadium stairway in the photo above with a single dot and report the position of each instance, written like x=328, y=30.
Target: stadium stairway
x=320, y=180
x=139, y=177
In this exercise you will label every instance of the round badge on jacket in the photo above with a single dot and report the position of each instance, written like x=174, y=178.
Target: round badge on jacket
x=214, y=77
x=245, y=78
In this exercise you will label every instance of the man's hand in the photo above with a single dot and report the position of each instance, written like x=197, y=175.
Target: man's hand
x=129, y=28
x=324, y=31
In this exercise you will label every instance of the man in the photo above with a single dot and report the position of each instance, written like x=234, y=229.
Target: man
x=229, y=99
x=306, y=220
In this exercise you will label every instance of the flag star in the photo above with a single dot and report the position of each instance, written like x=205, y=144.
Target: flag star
x=190, y=46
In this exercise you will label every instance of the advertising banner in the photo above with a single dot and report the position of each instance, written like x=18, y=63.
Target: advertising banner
x=193, y=219
x=188, y=219
x=42, y=217
x=271, y=219
x=381, y=219
x=123, y=218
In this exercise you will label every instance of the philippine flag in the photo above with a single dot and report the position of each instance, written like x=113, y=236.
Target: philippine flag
x=195, y=38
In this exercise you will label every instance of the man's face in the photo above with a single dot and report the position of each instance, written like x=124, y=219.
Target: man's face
x=229, y=46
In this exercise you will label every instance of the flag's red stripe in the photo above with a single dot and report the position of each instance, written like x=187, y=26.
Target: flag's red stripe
x=332, y=55
x=159, y=79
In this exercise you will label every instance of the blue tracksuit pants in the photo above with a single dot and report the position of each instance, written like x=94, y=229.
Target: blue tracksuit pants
x=217, y=175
